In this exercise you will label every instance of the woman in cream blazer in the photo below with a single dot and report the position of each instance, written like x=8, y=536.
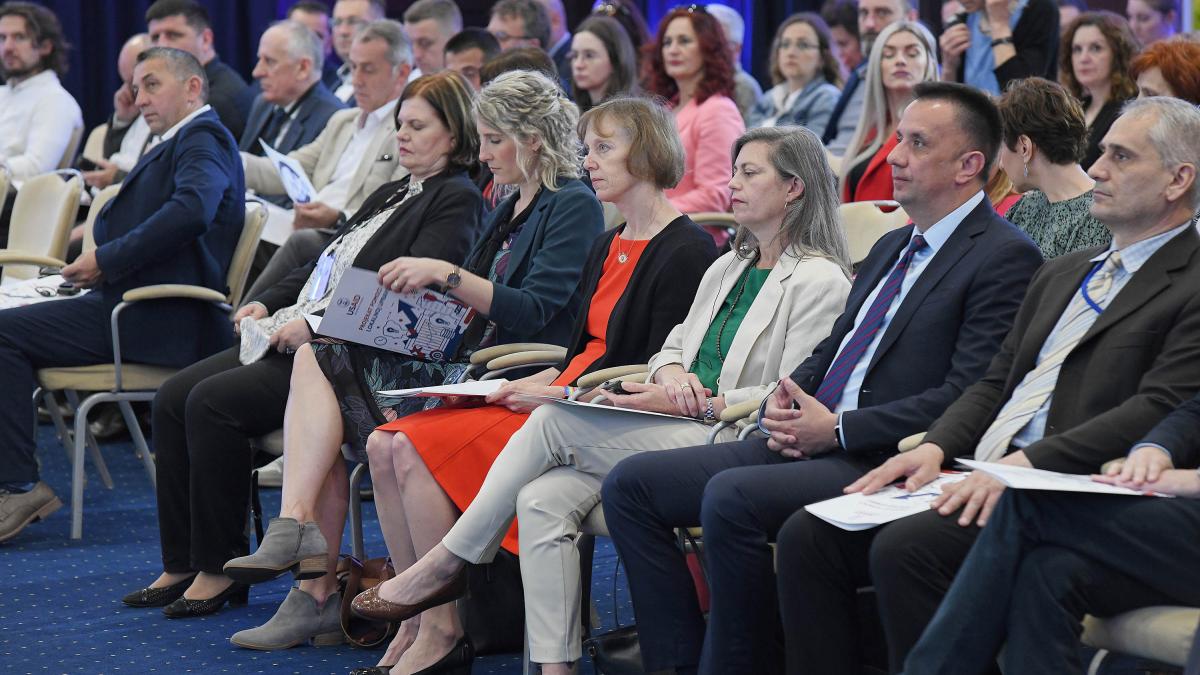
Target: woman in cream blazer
x=759, y=311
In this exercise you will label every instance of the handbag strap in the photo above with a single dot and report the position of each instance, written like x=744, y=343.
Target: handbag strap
x=256, y=507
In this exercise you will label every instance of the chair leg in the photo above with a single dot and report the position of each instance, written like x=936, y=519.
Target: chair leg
x=93, y=446
x=139, y=440
x=81, y=421
x=356, y=527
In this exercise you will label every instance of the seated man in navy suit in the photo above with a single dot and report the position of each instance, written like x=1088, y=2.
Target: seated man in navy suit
x=927, y=312
x=294, y=105
x=176, y=220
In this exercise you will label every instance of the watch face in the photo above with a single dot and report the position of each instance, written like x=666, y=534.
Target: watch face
x=453, y=280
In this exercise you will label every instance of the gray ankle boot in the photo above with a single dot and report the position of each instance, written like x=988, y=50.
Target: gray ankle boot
x=297, y=620
x=288, y=545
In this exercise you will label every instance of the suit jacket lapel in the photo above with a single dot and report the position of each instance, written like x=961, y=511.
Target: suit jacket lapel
x=385, y=131
x=150, y=156
x=523, y=244
x=764, y=308
x=255, y=129
x=694, y=339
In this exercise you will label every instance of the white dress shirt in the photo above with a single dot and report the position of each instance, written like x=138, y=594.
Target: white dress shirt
x=135, y=141
x=37, y=120
x=337, y=189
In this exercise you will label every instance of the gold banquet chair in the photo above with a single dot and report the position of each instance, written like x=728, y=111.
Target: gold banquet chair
x=124, y=383
x=43, y=213
x=68, y=157
x=865, y=222
x=93, y=147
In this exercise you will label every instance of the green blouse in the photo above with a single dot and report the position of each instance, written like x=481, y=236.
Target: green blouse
x=707, y=366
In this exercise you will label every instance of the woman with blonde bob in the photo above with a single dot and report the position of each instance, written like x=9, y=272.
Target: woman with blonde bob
x=760, y=309
x=904, y=55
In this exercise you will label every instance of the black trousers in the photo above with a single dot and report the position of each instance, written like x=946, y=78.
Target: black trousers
x=741, y=493
x=204, y=418
x=1047, y=558
x=911, y=563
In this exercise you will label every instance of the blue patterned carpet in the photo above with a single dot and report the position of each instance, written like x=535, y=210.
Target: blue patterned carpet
x=60, y=609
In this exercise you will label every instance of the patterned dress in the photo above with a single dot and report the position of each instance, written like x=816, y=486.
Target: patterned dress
x=1061, y=227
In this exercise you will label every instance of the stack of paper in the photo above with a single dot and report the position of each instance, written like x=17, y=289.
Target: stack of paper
x=862, y=512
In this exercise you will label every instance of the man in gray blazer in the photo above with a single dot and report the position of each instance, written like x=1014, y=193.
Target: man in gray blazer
x=350, y=159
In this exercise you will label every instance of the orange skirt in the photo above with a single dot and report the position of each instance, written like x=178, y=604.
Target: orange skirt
x=459, y=445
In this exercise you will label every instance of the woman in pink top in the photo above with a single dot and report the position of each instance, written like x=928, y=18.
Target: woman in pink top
x=688, y=64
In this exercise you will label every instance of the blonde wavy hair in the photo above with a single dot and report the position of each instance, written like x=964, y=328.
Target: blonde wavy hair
x=527, y=106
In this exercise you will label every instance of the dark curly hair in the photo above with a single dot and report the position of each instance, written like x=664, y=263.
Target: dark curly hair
x=43, y=26
x=1048, y=115
x=1121, y=42
x=714, y=50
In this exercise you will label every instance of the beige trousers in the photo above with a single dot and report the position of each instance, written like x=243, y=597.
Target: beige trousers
x=549, y=477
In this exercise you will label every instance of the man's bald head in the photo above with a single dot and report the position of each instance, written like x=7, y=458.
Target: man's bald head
x=129, y=54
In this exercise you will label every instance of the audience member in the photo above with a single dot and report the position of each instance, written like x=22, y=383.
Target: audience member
x=520, y=23
x=1044, y=138
x=1152, y=20
x=633, y=297
x=1068, y=11
x=629, y=15
x=128, y=135
x=1104, y=346
x=559, y=44
x=518, y=58
x=294, y=105
x=999, y=42
x=542, y=254
x=842, y=18
x=176, y=220
x=873, y=17
x=38, y=118
x=185, y=24
x=688, y=64
x=779, y=292
x=1001, y=193
x=430, y=24
x=315, y=15
x=1047, y=558
x=352, y=157
x=1168, y=68
x=746, y=90
x=349, y=17
x=205, y=416
x=1097, y=51
x=902, y=57
x=929, y=308
x=603, y=62
x=806, y=75
x=468, y=51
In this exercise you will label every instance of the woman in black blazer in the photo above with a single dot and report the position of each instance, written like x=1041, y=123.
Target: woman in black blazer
x=205, y=416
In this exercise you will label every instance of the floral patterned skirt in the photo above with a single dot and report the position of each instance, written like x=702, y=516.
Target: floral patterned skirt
x=358, y=373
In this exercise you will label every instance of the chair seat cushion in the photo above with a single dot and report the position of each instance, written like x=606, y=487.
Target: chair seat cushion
x=103, y=377
x=593, y=523
x=1161, y=633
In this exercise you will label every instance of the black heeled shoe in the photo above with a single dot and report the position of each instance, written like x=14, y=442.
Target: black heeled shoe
x=457, y=662
x=373, y=670
x=236, y=594
x=158, y=597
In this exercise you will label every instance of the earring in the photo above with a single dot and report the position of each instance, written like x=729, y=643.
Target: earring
x=1026, y=172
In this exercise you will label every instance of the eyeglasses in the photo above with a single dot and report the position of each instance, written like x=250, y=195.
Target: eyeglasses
x=502, y=37
x=799, y=44
x=349, y=21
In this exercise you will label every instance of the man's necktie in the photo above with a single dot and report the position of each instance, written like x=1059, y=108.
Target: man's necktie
x=274, y=124
x=1037, y=385
x=830, y=391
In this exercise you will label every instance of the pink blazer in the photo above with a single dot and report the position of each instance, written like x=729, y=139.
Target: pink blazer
x=708, y=131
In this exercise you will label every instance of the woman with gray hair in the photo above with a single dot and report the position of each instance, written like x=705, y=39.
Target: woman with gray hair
x=904, y=55
x=759, y=310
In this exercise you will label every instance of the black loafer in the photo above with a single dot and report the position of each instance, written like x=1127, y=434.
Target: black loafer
x=373, y=670
x=157, y=597
x=236, y=594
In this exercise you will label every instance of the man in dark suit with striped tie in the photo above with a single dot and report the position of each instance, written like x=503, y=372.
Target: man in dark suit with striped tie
x=927, y=312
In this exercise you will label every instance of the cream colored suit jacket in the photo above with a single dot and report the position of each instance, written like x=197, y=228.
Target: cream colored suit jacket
x=793, y=312
x=320, y=158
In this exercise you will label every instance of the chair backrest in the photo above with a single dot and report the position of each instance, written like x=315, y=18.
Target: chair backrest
x=243, y=255
x=865, y=222
x=720, y=225
x=68, y=157
x=93, y=149
x=98, y=202
x=3, y=184
x=42, y=216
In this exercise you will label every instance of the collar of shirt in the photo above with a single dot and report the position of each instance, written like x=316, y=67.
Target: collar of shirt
x=343, y=72
x=937, y=235
x=170, y=133
x=46, y=77
x=291, y=108
x=1135, y=255
x=375, y=118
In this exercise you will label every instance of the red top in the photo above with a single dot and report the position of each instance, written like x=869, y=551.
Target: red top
x=876, y=181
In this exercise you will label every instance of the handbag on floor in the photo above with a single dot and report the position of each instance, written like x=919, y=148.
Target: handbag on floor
x=356, y=576
x=616, y=652
x=494, y=608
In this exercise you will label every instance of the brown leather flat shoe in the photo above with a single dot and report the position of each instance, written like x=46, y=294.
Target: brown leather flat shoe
x=369, y=605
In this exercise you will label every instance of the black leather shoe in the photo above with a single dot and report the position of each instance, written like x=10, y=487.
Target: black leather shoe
x=457, y=662
x=237, y=595
x=373, y=670
x=157, y=597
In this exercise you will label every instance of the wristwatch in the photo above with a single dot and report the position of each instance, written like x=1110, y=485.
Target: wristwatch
x=710, y=415
x=837, y=434
x=453, y=279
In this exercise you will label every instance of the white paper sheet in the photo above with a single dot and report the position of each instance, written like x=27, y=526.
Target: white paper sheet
x=1026, y=478
x=18, y=293
x=479, y=388
x=291, y=174
x=314, y=322
x=857, y=511
x=279, y=224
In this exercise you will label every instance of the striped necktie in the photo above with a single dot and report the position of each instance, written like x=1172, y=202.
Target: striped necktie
x=1038, y=384
x=834, y=383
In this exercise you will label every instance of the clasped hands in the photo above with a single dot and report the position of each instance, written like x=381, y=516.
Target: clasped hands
x=673, y=392
x=799, y=431
x=1149, y=469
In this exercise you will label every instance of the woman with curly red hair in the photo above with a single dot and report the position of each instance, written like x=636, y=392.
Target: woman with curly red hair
x=688, y=64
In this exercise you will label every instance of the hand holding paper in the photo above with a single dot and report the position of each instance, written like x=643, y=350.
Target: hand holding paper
x=295, y=180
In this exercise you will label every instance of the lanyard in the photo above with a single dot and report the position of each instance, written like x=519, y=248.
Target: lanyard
x=1083, y=288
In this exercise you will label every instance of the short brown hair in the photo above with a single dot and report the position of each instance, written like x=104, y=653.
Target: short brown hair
x=521, y=58
x=657, y=153
x=451, y=97
x=1048, y=115
x=831, y=68
x=1121, y=41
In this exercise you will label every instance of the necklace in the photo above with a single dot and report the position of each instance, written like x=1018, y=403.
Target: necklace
x=622, y=257
x=732, y=306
